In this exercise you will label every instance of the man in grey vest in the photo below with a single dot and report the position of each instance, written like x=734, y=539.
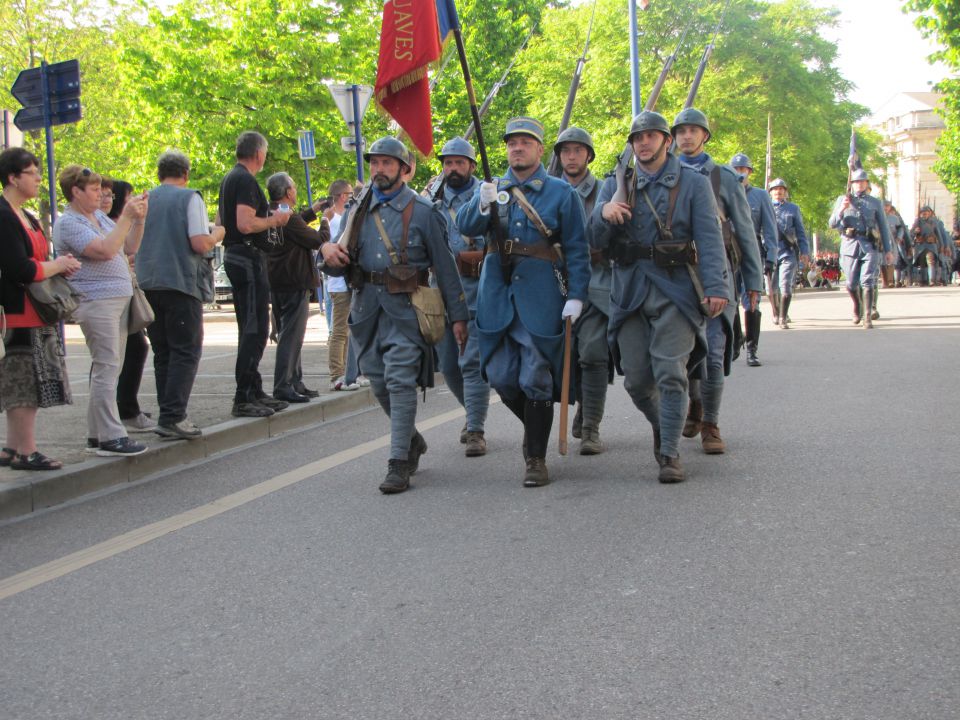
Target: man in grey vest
x=574, y=148
x=173, y=273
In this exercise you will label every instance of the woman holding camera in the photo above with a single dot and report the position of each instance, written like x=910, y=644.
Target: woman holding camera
x=32, y=372
x=105, y=286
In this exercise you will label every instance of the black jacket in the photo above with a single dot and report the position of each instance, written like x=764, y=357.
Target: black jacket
x=290, y=265
x=17, y=267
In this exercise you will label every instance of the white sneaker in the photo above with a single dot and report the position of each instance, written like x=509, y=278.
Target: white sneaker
x=141, y=423
x=362, y=381
x=341, y=385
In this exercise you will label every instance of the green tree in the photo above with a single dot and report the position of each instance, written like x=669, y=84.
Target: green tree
x=940, y=20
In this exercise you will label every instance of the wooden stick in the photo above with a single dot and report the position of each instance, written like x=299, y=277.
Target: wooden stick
x=565, y=388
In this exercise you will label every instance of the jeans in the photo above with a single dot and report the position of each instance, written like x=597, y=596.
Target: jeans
x=177, y=339
x=247, y=272
x=128, y=384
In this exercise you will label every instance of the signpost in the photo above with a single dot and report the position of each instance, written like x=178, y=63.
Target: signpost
x=50, y=95
x=308, y=151
x=352, y=101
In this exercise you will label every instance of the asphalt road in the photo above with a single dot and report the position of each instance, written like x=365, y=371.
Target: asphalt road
x=811, y=572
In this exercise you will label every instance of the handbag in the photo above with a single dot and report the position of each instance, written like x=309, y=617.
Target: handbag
x=54, y=299
x=141, y=313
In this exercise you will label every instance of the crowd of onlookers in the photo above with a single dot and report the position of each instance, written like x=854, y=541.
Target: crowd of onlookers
x=112, y=243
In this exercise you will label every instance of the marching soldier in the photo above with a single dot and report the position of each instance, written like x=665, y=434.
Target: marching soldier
x=691, y=130
x=529, y=285
x=395, y=227
x=669, y=272
x=765, y=228
x=863, y=228
x=899, y=235
x=792, y=247
x=461, y=371
x=574, y=147
x=927, y=242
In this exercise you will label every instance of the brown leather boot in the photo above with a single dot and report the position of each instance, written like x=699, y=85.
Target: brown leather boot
x=591, y=444
x=536, y=475
x=397, y=479
x=671, y=471
x=710, y=438
x=476, y=444
x=694, y=416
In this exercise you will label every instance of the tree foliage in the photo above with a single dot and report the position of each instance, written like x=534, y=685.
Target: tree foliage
x=940, y=20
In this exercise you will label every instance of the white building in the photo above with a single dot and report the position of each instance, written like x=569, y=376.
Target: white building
x=911, y=126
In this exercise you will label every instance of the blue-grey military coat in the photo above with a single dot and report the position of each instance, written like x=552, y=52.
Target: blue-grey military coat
x=427, y=247
x=450, y=203
x=898, y=235
x=865, y=212
x=789, y=220
x=695, y=216
x=533, y=293
x=764, y=221
x=598, y=291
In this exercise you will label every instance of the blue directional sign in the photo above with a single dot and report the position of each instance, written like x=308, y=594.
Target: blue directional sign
x=307, y=149
x=63, y=83
x=61, y=113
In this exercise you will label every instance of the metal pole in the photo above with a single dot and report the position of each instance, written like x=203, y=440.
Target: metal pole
x=306, y=170
x=634, y=59
x=357, y=137
x=48, y=129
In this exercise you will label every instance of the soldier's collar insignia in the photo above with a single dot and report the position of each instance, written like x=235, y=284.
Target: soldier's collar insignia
x=535, y=184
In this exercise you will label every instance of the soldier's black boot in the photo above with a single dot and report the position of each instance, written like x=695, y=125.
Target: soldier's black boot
x=752, y=321
x=855, y=296
x=397, y=479
x=538, y=421
x=418, y=447
x=874, y=313
x=868, y=294
x=784, y=309
x=517, y=406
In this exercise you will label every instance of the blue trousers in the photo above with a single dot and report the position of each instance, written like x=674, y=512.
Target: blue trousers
x=462, y=375
x=516, y=366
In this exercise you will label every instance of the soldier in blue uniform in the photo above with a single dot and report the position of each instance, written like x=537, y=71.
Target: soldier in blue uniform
x=863, y=228
x=765, y=227
x=574, y=147
x=395, y=226
x=691, y=131
x=529, y=285
x=901, y=239
x=461, y=371
x=928, y=238
x=945, y=255
x=660, y=230
x=792, y=247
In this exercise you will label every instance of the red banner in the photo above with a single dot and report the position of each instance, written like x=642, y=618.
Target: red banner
x=409, y=42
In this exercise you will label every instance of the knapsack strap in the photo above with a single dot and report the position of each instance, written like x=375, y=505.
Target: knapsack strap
x=531, y=212
x=405, y=216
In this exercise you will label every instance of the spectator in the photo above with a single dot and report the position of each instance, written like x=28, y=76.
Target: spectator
x=135, y=354
x=106, y=195
x=245, y=215
x=293, y=275
x=32, y=372
x=105, y=288
x=338, y=309
x=171, y=269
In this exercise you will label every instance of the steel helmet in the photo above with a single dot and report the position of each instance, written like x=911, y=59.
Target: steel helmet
x=777, y=182
x=859, y=175
x=691, y=116
x=391, y=147
x=648, y=120
x=575, y=135
x=459, y=147
x=926, y=208
x=741, y=160
x=524, y=126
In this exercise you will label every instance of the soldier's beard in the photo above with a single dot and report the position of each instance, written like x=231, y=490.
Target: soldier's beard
x=456, y=180
x=384, y=183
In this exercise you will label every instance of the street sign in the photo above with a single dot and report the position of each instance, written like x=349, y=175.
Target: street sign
x=63, y=83
x=349, y=144
x=307, y=149
x=61, y=113
x=343, y=97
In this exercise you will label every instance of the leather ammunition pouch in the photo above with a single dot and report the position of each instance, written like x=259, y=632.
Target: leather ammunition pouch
x=399, y=279
x=624, y=252
x=469, y=263
x=674, y=254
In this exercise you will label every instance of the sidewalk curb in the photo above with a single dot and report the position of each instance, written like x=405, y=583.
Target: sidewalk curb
x=26, y=495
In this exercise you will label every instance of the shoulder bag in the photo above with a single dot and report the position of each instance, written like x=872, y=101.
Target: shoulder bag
x=53, y=298
x=141, y=313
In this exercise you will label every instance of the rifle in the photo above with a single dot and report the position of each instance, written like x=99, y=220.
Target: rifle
x=485, y=105
x=553, y=167
x=707, y=52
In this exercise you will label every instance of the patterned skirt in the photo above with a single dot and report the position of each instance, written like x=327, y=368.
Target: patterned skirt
x=33, y=373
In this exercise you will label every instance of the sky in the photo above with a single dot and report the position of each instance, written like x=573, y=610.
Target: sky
x=881, y=51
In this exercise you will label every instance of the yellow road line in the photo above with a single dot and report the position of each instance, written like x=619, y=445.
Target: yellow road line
x=54, y=569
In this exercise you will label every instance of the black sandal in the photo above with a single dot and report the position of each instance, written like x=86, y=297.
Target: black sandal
x=35, y=461
x=10, y=455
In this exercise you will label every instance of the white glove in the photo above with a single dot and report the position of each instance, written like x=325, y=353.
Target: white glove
x=488, y=195
x=572, y=310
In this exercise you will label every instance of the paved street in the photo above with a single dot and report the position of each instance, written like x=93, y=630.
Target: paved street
x=811, y=572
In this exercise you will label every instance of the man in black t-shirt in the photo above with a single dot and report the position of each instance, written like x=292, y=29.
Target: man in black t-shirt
x=245, y=214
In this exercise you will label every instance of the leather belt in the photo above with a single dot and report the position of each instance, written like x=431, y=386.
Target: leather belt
x=629, y=253
x=540, y=250
x=376, y=277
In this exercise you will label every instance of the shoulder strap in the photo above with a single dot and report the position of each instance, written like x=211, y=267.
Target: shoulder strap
x=530, y=212
x=468, y=240
x=715, y=184
x=671, y=205
x=405, y=216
